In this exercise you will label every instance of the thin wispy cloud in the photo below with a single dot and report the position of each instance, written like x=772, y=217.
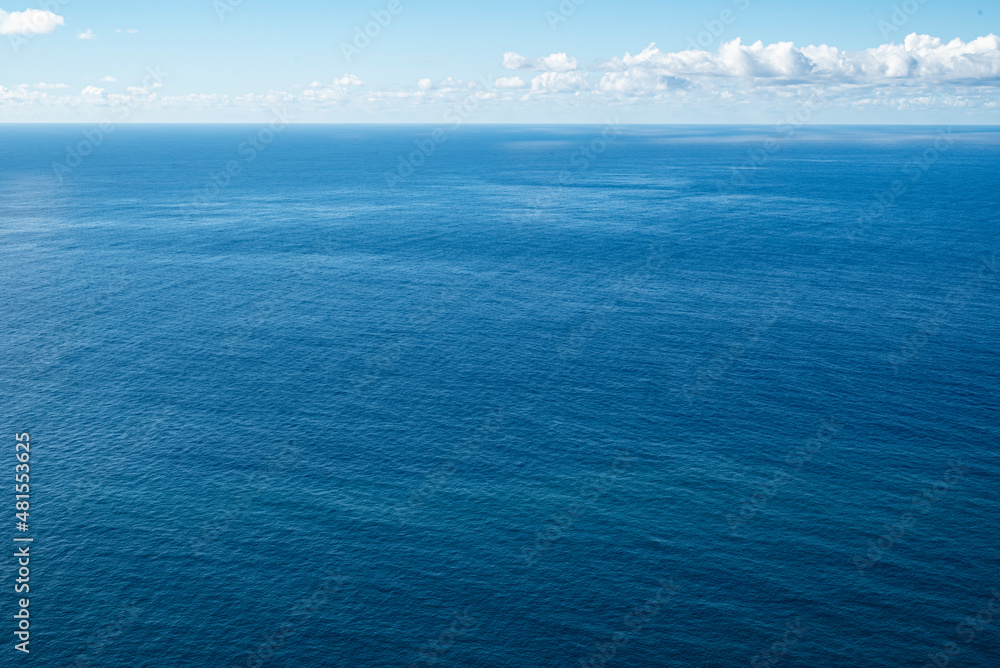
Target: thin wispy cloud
x=509, y=83
x=86, y=34
x=556, y=62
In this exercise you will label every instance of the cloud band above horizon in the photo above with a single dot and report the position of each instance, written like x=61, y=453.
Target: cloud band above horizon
x=923, y=72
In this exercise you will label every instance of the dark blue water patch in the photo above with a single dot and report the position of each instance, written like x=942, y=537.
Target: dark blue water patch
x=479, y=416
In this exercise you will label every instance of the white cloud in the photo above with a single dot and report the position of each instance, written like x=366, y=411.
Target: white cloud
x=348, y=80
x=442, y=86
x=509, y=82
x=556, y=62
x=29, y=22
x=560, y=82
x=923, y=79
x=271, y=97
x=130, y=31
x=87, y=34
x=336, y=91
x=513, y=61
x=919, y=58
x=921, y=73
x=21, y=95
x=324, y=95
x=197, y=99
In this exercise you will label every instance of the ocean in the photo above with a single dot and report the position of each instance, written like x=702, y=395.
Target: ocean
x=504, y=396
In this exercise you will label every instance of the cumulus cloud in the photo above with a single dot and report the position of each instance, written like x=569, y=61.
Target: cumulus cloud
x=29, y=22
x=509, y=83
x=920, y=58
x=442, y=86
x=109, y=79
x=921, y=72
x=21, y=95
x=556, y=62
x=348, y=80
x=638, y=80
x=93, y=92
x=560, y=82
x=87, y=34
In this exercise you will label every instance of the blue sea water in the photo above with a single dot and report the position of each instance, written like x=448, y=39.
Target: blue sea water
x=536, y=396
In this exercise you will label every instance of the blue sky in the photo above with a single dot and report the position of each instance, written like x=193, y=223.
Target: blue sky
x=233, y=60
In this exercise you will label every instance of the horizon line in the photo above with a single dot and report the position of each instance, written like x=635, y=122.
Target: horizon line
x=507, y=124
